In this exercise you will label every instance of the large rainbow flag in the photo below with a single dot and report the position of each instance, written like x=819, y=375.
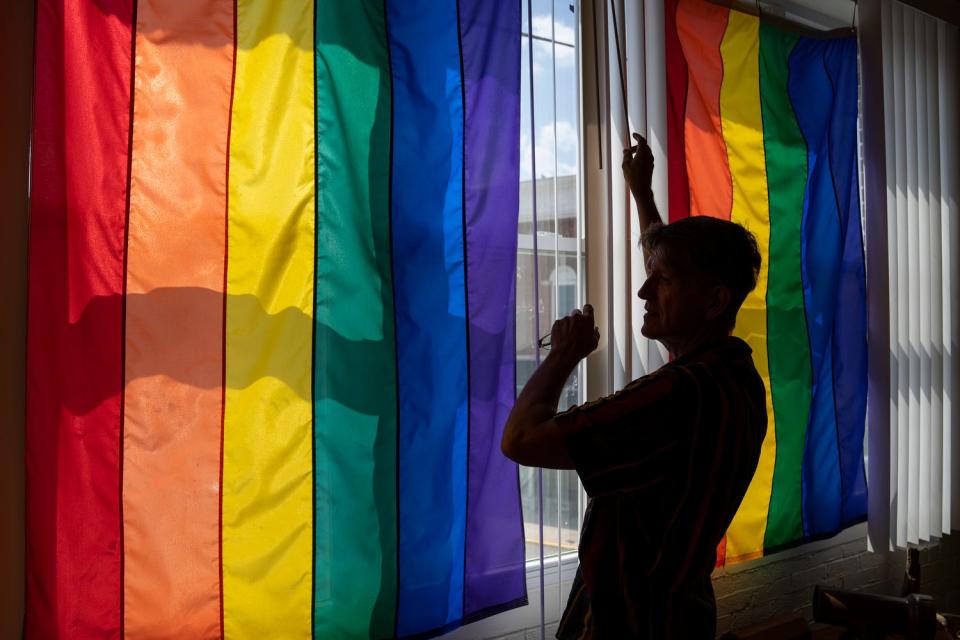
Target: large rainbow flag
x=271, y=318
x=762, y=130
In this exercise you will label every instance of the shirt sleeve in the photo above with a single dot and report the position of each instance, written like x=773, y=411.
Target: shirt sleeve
x=635, y=439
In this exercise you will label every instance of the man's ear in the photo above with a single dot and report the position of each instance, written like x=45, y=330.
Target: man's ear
x=718, y=301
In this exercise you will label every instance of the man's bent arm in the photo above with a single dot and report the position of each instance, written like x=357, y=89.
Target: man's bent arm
x=531, y=436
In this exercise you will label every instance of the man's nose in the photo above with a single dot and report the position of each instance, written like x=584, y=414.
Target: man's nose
x=641, y=292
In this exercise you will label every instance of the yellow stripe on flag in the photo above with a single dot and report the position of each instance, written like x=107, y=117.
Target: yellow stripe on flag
x=267, y=467
x=743, y=131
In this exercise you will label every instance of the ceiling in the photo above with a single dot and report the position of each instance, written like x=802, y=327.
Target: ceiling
x=819, y=14
x=837, y=14
x=816, y=14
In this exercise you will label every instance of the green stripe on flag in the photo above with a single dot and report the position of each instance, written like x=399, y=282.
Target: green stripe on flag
x=355, y=409
x=789, y=353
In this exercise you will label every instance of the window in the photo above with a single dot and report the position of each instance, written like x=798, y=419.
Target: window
x=550, y=252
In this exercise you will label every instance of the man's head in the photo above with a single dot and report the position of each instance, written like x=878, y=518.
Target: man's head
x=700, y=271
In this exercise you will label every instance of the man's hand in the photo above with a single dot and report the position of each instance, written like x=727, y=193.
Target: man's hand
x=575, y=336
x=637, y=168
x=531, y=436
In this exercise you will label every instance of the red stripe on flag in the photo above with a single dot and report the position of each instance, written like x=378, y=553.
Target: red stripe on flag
x=74, y=360
x=678, y=187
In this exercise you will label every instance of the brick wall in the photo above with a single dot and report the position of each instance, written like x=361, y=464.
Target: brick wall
x=755, y=591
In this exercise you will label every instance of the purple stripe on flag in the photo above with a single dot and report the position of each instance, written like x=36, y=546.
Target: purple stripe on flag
x=490, y=40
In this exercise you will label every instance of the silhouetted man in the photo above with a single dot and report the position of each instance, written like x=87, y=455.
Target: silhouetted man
x=667, y=460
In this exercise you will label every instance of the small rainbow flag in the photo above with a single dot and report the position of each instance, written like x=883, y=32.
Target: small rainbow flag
x=762, y=130
x=271, y=318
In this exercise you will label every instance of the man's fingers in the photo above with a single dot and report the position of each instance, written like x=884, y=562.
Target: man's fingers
x=573, y=333
x=641, y=145
x=630, y=153
x=641, y=142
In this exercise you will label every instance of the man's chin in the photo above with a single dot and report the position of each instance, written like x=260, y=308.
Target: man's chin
x=649, y=331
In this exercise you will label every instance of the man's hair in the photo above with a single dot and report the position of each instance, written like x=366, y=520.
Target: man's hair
x=719, y=249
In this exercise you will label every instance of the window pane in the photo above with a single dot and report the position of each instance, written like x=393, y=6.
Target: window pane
x=527, y=332
x=563, y=20
x=548, y=280
x=569, y=511
x=545, y=140
x=567, y=143
x=542, y=17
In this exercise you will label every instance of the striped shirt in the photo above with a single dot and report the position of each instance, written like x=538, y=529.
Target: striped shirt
x=665, y=463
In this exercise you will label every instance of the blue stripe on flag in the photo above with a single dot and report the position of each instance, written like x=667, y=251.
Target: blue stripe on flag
x=812, y=97
x=427, y=224
x=850, y=320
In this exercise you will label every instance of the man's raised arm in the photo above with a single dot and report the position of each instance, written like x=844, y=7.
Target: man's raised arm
x=637, y=168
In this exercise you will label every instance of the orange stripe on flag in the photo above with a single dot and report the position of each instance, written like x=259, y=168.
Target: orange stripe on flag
x=701, y=26
x=174, y=319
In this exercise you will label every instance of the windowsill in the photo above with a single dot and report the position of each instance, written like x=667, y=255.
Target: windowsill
x=556, y=586
x=550, y=573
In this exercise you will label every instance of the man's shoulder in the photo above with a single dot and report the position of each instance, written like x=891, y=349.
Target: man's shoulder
x=730, y=359
x=656, y=391
x=725, y=374
x=666, y=383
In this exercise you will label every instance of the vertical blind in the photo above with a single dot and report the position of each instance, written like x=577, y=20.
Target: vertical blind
x=629, y=58
x=922, y=164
